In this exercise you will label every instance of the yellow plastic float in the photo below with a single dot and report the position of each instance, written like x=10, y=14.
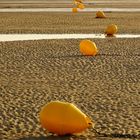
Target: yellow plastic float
x=63, y=118
x=79, y=1
x=88, y=47
x=74, y=2
x=74, y=10
x=81, y=6
x=111, y=29
x=100, y=14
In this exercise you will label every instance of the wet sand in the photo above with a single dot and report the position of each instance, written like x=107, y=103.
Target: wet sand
x=65, y=10
x=27, y=37
x=90, y=5
x=66, y=4
x=105, y=87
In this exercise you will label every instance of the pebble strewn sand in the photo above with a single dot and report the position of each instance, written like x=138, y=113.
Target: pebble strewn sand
x=105, y=87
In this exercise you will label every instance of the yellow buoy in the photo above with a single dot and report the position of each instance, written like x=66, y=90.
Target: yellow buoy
x=74, y=10
x=75, y=2
x=100, y=14
x=88, y=47
x=63, y=118
x=79, y=1
x=111, y=29
x=81, y=6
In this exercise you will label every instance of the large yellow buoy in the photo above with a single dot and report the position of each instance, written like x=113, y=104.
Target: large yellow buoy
x=74, y=10
x=81, y=6
x=63, y=118
x=100, y=14
x=88, y=47
x=111, y=29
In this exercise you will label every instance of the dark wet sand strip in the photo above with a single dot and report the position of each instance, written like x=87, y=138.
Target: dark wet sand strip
x=22, y=37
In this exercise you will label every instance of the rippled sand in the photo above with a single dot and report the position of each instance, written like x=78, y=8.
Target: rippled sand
x=67, y=22
x=105, y=87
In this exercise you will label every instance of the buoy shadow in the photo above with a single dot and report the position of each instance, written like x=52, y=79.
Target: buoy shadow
x=116, y=135
x=113, y=55
x=100, y=17
x=67, y=137
x=90, y=56
x=110, y=54
x=70, y=56
x=110, y=36
x=99, y=136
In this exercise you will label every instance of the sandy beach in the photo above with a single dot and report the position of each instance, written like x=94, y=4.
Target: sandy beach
x=105, y=87
x=67, y=22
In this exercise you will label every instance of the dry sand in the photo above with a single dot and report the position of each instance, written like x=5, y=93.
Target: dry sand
x=67, y=22
x=105, y=87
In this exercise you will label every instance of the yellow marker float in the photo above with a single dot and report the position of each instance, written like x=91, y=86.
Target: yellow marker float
x=100, y=14
x=88, y=47
x=74, y=10
x=81, y=6
x=63, y=118
x=79, y=1
x=74, y=2
x=111, y=29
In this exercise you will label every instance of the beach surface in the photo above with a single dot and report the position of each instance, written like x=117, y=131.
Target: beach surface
x=41, y=22
x=105, y=87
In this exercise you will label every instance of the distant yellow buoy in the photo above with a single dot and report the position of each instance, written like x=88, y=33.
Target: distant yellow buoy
x=63, y=118
x=81, y=6
x=75, y=2
x=74, y=10
x=100, y=14
x=88, y=47
x=79, y=1
x=111, y=29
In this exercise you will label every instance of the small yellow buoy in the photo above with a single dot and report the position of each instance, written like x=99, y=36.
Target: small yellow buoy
x=63, y=118
x=75, y=2
x=88, y=47
x=79, y=1
x=81, y=6
x=100, y=14
x=74, y=10
x=111, y=29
